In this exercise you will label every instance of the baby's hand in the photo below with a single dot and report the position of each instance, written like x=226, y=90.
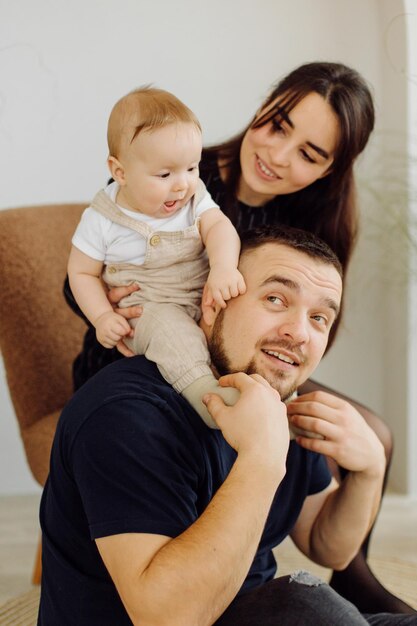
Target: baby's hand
x=111, y=328
x=222, y=284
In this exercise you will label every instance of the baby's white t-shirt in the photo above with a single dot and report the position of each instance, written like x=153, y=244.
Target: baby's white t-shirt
x=103, y=240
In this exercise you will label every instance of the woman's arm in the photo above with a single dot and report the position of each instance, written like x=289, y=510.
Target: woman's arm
x=333, y=525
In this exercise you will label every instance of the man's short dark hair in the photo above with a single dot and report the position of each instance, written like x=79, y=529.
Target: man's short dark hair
x=296, y=238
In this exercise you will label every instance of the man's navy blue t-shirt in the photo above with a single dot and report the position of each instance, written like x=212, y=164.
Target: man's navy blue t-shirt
x=130, y=455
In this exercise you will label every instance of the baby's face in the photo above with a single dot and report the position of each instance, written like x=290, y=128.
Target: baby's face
x=160, y=169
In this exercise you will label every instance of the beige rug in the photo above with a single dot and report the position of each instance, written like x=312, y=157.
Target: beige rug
x=22, y=611
x=400, y=577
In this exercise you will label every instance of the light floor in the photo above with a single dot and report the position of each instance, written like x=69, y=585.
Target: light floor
x=395, y=536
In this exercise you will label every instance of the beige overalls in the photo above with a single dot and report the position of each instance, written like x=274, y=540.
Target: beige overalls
x=171, y=282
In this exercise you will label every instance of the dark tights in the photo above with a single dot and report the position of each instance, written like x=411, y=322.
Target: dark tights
x=357, y=583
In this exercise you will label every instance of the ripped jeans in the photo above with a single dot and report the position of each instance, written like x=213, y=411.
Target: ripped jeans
x=301, y=599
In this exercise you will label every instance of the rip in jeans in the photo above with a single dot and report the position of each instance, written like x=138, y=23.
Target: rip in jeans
x=303, y=577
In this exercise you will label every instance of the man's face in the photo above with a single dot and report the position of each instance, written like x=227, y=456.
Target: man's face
x=279, y=328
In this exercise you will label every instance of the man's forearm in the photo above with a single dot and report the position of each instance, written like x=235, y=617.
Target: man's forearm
x=345, y=519
x=195, y=576
x=191, y=579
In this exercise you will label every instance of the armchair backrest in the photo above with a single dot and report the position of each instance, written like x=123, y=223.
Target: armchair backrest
x=39, y=335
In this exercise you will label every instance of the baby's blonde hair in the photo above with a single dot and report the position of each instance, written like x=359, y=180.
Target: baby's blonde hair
x=145, y=108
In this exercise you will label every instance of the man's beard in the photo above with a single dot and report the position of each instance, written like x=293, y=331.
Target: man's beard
x=221, y=362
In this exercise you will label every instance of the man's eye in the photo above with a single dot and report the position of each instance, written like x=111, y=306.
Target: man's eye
x=275, y=299
x=321, y=319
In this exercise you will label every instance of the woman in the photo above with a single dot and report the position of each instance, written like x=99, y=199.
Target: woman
x=293, y=164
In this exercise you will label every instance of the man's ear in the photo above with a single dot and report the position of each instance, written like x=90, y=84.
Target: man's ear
x=116, y=170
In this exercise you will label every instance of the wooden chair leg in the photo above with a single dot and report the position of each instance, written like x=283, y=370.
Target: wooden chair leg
x=37, y=569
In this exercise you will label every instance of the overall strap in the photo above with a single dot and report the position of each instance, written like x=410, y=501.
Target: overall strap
x=105, y=205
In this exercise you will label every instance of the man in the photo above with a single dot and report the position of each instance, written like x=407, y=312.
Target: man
x=151, y=518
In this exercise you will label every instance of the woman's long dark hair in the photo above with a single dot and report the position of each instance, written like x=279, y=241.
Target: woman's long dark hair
x=327, y=207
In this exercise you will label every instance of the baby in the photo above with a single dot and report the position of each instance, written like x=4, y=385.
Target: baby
x=157, y=226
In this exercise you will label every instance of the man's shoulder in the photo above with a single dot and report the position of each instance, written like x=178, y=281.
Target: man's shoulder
x=126, y=389
x=125, y=375
x=128, y=411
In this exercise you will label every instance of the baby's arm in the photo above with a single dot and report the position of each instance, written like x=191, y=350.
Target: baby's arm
x=85, y=280
x=223, y=246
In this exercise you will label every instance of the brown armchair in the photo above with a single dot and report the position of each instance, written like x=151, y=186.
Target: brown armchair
x=39, y=335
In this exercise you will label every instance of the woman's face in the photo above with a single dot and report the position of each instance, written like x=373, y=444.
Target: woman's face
x=288, y=154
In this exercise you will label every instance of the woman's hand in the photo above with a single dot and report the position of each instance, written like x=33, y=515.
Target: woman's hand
x=114, y=295
x=344, y=434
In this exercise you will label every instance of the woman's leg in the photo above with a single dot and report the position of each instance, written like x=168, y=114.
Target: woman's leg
x=357, y=583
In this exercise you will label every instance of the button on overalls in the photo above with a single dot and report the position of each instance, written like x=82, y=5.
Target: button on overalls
x=171, y=282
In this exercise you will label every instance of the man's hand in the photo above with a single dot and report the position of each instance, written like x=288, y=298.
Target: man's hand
x=257, y=424
x=114, y=295
x=111, y=328
x=344, y=434
x=222, y=284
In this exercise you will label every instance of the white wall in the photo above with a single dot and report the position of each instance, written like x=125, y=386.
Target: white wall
x=64, y=64
x=411, y=392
